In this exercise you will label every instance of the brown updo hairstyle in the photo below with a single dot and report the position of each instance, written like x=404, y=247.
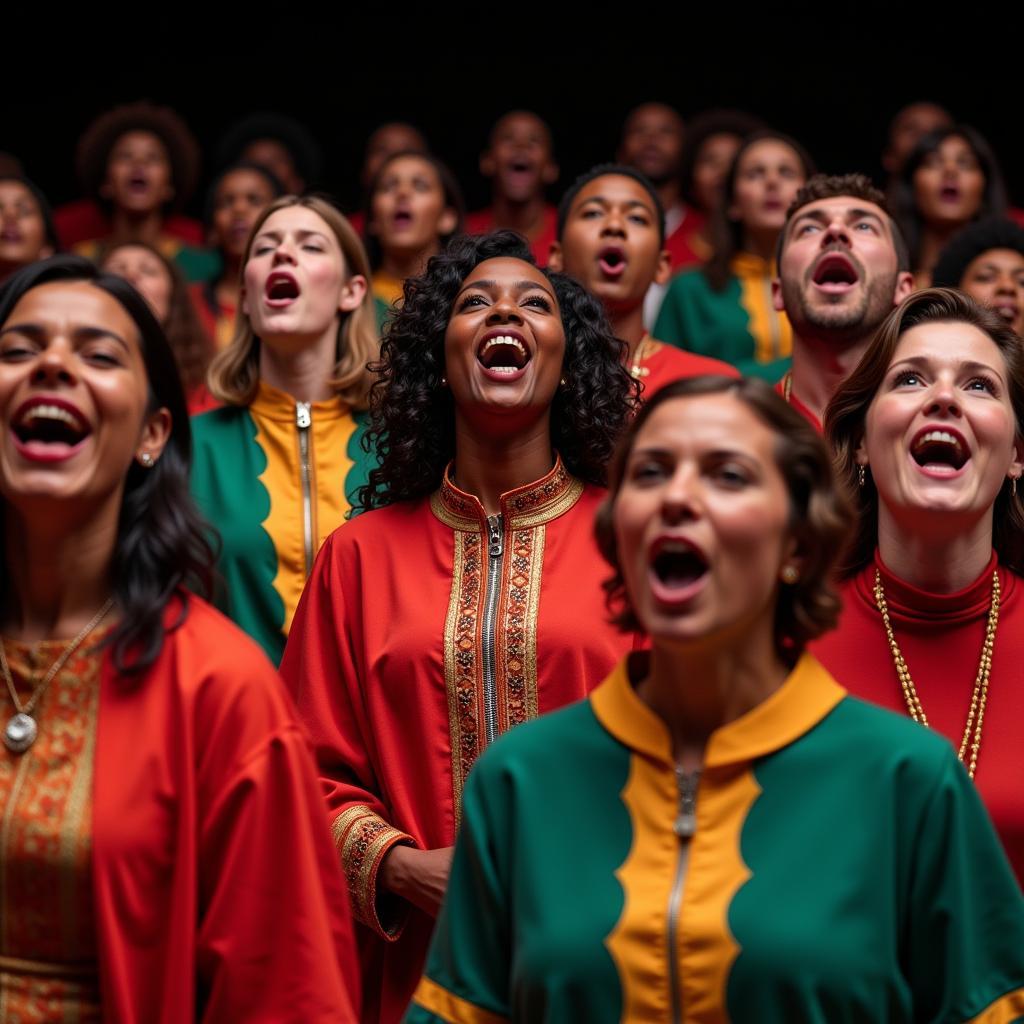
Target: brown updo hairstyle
x=235, y=371
x=820, y=514
x=846, y=416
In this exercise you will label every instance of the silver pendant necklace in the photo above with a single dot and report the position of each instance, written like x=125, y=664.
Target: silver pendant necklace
x=22, y=729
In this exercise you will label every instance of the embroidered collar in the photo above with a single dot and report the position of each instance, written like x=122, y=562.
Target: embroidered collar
x=808, y=694
x=531, y=505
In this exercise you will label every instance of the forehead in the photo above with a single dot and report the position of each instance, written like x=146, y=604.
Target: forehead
x=921, y=117
x=654, y=115
x=16, y=191
x=243, y=179
x=138, y=138
x=999, y=257
x=409, y=165
x=949, y=343
x=841, y=206
x=74, y=304
x=297, y=218
x=391, y=137
x=616, y=188
x=698, y=423
x=769, y=151
x=506, y=270
x=133, y=254
x=520, y=123
x=954, y=145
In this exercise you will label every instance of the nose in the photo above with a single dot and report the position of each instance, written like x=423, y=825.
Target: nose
x=614, y=224
x=284, y=252
x=836, y=231
x=943, y=398
x=1006, y=284
x=53, y=365
x=680, y=501
x=505, y=310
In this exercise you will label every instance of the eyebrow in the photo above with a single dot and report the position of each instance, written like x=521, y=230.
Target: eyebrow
x=970, y=366
x=854, y=213
x=302, y=233
x=714, y=453
x=607, y=202
x=522, y=286
x=37, y=332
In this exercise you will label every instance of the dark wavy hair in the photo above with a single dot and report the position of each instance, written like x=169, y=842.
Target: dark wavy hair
x=903, y=204
x=162, y=543
x=846, y=417
x=412, y=421
x=820, y=514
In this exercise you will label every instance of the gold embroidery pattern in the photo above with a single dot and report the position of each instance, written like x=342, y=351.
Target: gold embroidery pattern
x=363, y=837
x=462, y=658
x=46, y=908
x=520, y=629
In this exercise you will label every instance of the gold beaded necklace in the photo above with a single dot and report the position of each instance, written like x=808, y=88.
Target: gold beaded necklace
x=637, y=369
x=976, y=714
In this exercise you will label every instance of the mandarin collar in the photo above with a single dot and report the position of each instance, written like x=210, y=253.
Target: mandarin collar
x=805, y=697
x=912, y=604
x=530, y=505
x=275, y=404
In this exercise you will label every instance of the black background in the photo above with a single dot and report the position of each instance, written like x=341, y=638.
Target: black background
x=832, y=75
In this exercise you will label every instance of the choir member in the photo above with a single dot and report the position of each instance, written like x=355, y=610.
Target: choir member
x=27, y=232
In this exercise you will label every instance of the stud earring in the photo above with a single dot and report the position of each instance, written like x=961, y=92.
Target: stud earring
x=147, y=460
x=789, y=574
x=444, y=382
x=561, y=383
x=861, y=476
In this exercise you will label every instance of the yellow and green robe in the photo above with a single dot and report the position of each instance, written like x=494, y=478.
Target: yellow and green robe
x=841, y=869
x=274, y=479
x=738, y=324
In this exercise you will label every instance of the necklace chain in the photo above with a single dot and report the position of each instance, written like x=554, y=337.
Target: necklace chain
x=979, y=697
x=29, y=706
x=637, y=369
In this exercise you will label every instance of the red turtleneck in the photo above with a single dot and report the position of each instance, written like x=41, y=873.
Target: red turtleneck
x=941, y=636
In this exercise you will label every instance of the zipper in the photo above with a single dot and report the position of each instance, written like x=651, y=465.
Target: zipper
x=495, y=547
x=304, y=420
x=684, y=827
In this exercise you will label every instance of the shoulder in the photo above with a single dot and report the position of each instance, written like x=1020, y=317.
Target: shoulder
x=210, y=425
x=688, y=282
x=690, y=364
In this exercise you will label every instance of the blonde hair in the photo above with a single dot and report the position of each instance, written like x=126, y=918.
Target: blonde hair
x=235, y=372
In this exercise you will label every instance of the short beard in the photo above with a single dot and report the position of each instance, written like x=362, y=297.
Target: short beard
x=840, y=326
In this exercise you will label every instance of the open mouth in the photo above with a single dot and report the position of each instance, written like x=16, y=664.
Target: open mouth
x=678, y=570
x=402, y=218
x=49, y=430
x=835, y=273
x=503, y=356
x=612, y=261
x=940, y=450
x=281, y=290
x=138, y=183
x=10, y=235
x=1007, y=310
x=950, y=194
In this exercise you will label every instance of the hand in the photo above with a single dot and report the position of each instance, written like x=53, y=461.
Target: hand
x=420, y=876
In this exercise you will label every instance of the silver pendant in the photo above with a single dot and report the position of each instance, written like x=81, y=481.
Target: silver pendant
x=20, y=733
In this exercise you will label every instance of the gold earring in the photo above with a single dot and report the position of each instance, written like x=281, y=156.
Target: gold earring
x=861, y=475
x=790, y=574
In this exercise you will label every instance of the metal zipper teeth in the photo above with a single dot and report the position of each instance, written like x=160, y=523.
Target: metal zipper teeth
x=495, y=547
x=303, y=420
x=684, y=827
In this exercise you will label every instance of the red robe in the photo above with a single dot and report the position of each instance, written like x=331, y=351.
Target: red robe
x=387, y=659
x=82, y=219
x=685, y=246
x=941, y=636
x=665, y=363
x=216, y=888
x=482, y=221
x=780, y=388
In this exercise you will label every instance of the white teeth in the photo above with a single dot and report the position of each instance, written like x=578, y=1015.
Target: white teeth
x=941, y=436
x=505, y=339
x=51, y=412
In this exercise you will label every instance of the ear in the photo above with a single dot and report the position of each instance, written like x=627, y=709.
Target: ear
x=156, y=431
x=664, y=270
x=550, y=175
x=860, y=453
x=45, y=252
x=555, y=258
x=448, y=222
x=1016, y=467
x=353, y=293
x=777, y=304
x=904, y=286
x=487, y=164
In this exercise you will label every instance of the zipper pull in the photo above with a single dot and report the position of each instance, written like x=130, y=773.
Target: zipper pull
x=686, y=822
x=495, y=539
x=302, y=415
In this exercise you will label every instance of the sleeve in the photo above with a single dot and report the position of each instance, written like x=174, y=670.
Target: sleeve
x=325, y=676
x=466, y=980
x=966, y=935
x=274, y=938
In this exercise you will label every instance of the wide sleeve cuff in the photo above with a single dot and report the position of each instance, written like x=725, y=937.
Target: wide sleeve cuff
x=363, y=838
x=442, y=1005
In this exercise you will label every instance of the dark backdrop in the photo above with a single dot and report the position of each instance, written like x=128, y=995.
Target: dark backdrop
x=831, y=75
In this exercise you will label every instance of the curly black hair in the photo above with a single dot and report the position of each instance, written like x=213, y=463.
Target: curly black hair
x=969, y=243
x=412, y=421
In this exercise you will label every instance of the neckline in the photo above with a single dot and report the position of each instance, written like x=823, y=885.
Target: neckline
x=530, y=505
x=275, y=404
x=805, y=697
x=908, y=603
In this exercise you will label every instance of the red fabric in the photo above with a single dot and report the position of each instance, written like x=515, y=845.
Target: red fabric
x=780, y=388
x=940, y=636
x=83, y=220
x=684, y=247
x=358, y=221
x=218, y=895
x=1016, y=214
x=668, y=363
x=482, y=221
x=366, y=662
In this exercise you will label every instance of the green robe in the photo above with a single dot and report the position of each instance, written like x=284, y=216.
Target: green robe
x=842, y=869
